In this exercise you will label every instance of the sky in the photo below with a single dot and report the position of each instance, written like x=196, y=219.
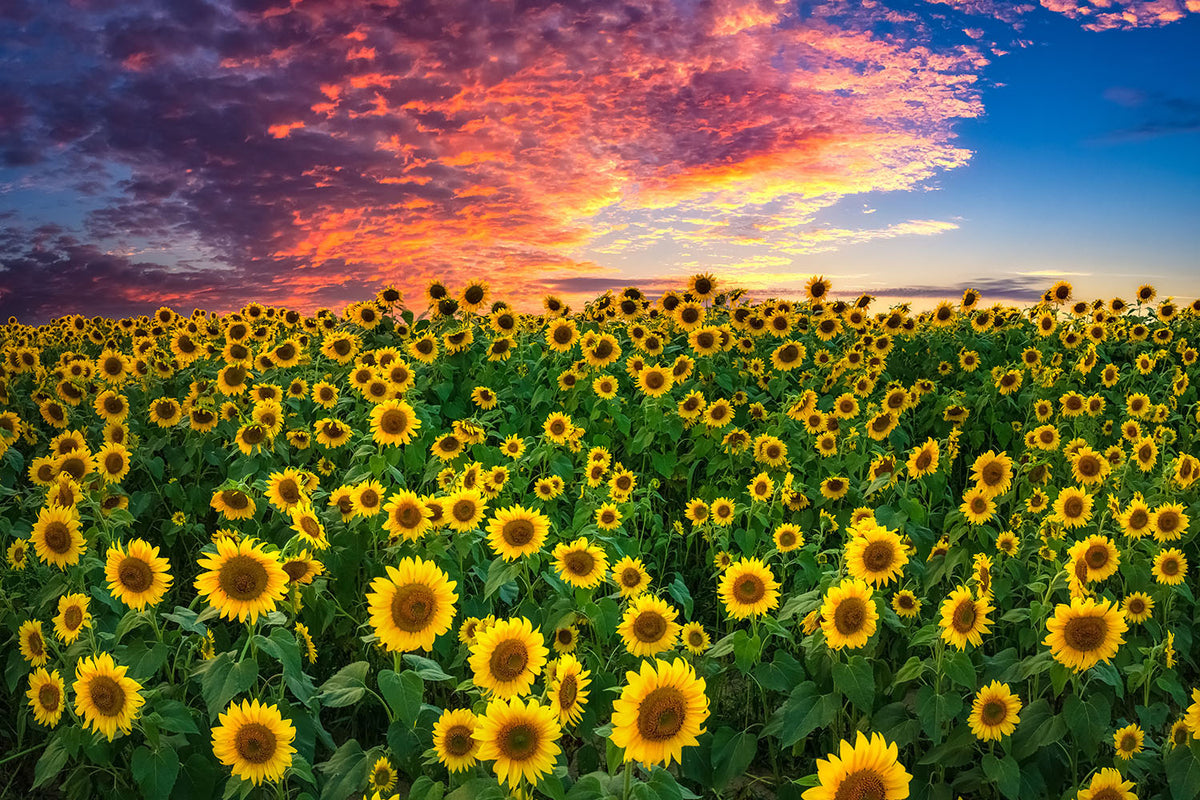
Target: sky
x=205, y=153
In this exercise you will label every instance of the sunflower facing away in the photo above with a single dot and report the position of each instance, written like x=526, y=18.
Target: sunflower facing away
x=507, y=657
x=748, y=589
x=255, y=740
x=105, y=697
x=137, y=575
x=661, y=710
x=868, y=768
x=995, y=712
x=46, y=696
x=1085, y=633
x=412, y=606
x=242, y=580
x=453, y=738
x=521, y=737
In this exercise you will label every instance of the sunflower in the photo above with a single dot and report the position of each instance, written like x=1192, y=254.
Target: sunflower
x=242, y=579
x=748, y=589
x=33, y=644
x=1099, y=556
x=924, y=459
x=302, y=568
x=332, y=433
x=1073, y=507
x=869, y=768
x=516, y=531
x=876, y=555
x=73, y=617
x=1168, y=523
x=1084, y=633
x=580, y=563
x=137, y=575
x=507, y=657
x=906, y=604
x=648, y=626
x=306, y=523
x=453, y=738
x=18, y=554
x=1137, y=607
x=105, y=697
x=964, y=619
x=47, y=696
x=465, y=509
x=1135, y=519
x=1170, y=567
x=977, y=506
x=165, y=412
x=412, y=606
x=255, y=740
x=661, y=710
x=382, y=776
x=521, y=737
x=233, y=504
x=394, y=422
x=631, y=576
x=848, y=614
x=723, y=511
x=56, y=537
x=995, y=712
x=285, y=489
x=565, y=639
x=1108, y=784
x=788, y=537
x=566, y=683
x=608, y=517
x=1128, y=741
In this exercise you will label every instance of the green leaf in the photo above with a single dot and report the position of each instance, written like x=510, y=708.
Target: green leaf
x=403, y=693
x=732, y=753
x=1183, y=772
x=499, y=574
x=856, y=681
x=346, y=687
x=913, y=668
x=283, y=647
x=155, y=771
x=222, y=679
x=801, y=714
x=477, y=789
x=176, y=717
x=961, y=670
x=427, y=668
x=1087, y=721
x=746, y=651
x=145, y=661
x=1005, y=773
x=682, y=595
x=52, y=760
x=346, y=771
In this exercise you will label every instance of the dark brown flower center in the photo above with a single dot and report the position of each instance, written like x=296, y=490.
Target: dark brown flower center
x=1085, y=634
x=965, y=615
x=255, y=742
x=649, y=627
x=850, y=616
x=49, y=697
x=661, y=714
x=135, y=575
x=107, y=695
x=509, y=660
x=458, y=741
x=243, y=578
x=413, y=607
x=579, y=562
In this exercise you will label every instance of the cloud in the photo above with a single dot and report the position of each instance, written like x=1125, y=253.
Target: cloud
x=306, y=146
x=1158, y=114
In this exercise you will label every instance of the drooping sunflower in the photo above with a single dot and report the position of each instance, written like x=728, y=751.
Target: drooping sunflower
x=1108, y=784
x=521, y=737
x=507, y=657
x=661, y=710
x=56, y=537
x=33, y=643
x=242, y=580
x=136, y=574
x=47, y=697
x=255, y=740
x=73, y=617
x=1098, y=554
x=1128, y=741
x=748, y=589
x=1085, y=633
x=848, y=614
x=964, y=619
x=412, y=606
x=105, y=696
x=515, y=532
x=453, y=738
x=580, y=563
x=868, y=768
x=876, y=556
x=995, y=712
x=567, y=683
x=648, y=626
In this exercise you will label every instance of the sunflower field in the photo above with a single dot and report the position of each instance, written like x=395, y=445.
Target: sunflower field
x=698, y=546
